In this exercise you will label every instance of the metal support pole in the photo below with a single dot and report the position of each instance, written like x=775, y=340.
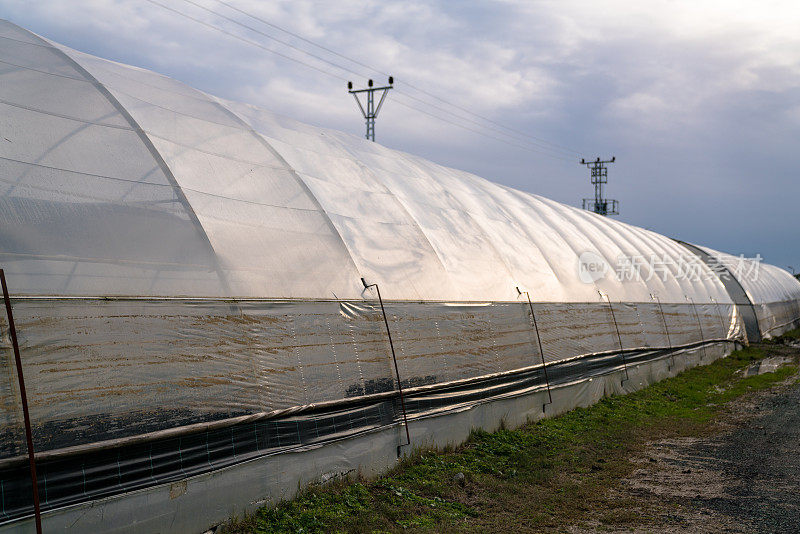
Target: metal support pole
x=619, y=337
x=539, y=342
x=394, y=358
x=721, y=320
x=666, y=328
x=370, y=115
x=664, y=320
x=699, y=325
x=24, y=397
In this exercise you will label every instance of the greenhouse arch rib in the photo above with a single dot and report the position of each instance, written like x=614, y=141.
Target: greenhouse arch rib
x=159, y=160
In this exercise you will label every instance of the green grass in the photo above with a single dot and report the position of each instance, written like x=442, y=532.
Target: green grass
x=792, y=335
x=542, y=475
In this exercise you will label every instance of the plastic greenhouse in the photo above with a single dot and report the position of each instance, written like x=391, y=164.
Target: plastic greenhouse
x=195, y=286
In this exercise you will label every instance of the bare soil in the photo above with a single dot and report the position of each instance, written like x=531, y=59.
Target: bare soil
x=743, y=476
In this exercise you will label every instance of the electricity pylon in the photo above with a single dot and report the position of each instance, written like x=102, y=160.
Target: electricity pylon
x=370, y=112
x=598, y=177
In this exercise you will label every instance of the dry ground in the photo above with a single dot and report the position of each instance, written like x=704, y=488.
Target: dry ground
x=741, y=475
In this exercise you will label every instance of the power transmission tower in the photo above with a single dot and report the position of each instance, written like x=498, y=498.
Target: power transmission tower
x=598, y=177
x=371, y=112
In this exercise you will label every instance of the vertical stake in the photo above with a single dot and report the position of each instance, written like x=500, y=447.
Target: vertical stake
x=24, y=397
x=394, y=358
x=539, y=342
x=721, y=320
x=666, y=328
x=619, y=337
x=699, y=325
x=663, y=319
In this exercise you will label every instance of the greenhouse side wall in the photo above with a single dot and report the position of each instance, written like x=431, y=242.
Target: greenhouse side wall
x=187, y=388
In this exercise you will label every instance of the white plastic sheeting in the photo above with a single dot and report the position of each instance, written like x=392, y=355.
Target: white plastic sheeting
x=774, y=293
x=117, y=181
x=763, y=283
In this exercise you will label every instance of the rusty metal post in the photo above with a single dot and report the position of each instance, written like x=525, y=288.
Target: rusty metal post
x=699, y=325
x=539, y=342
x=664, y=320
x=666, y=328
x=24, y=397
x=619, y=337
x=721, y=320
x=394, y=359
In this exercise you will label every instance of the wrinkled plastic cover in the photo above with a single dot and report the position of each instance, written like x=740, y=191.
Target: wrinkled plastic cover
x=119, y=181
x=92, y=472
x=774, y=293
x=104, y=369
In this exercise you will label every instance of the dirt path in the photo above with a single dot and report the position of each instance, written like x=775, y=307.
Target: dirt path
x=745, y=477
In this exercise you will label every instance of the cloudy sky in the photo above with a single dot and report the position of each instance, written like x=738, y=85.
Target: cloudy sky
x=698, y=100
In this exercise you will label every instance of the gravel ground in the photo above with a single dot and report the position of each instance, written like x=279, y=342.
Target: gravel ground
x=743, y=478
x=762, y=460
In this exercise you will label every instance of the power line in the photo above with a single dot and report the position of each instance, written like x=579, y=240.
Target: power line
x=564, y=151
x=563, y=148
x=447, y=102
x=346, y=69
x=323, y=71
x=523, y=147
x=244, y=39
x=272, y=25
x=544, y=143
x=268, y=36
